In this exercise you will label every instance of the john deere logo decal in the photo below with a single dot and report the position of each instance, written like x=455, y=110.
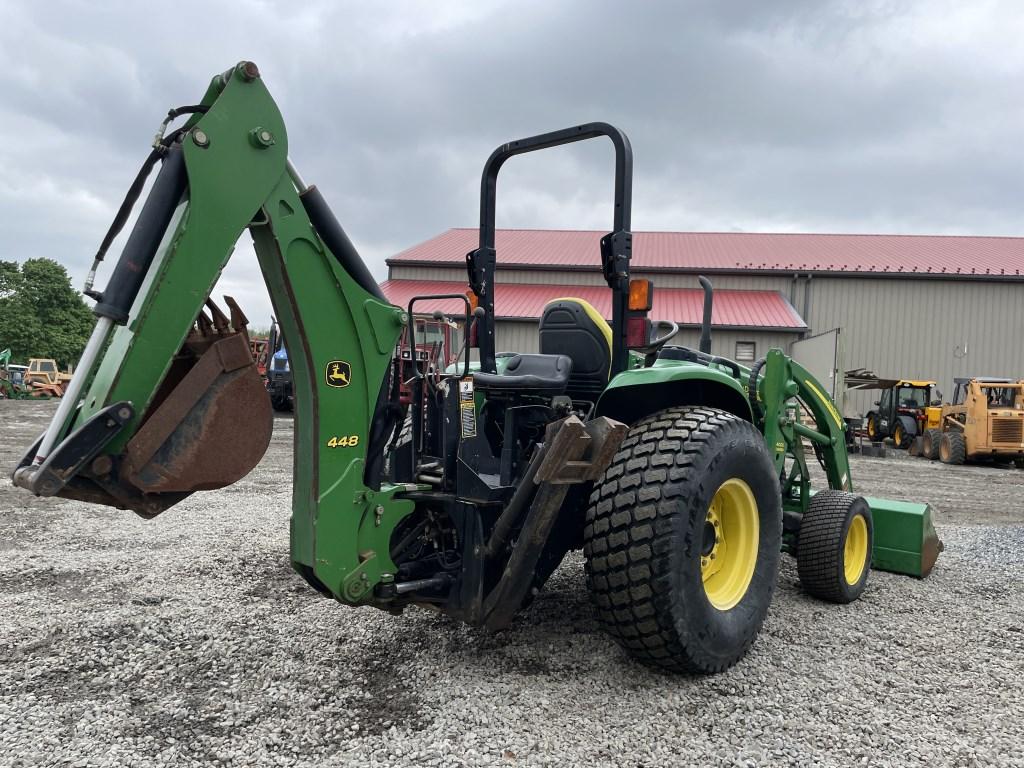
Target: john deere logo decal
x=339, y=373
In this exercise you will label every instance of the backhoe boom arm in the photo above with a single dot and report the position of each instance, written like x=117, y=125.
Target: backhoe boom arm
x=170, y=402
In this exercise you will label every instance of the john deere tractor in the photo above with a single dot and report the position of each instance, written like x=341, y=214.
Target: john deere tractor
x=680, y=474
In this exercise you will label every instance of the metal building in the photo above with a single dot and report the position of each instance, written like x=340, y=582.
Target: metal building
x=920, y=307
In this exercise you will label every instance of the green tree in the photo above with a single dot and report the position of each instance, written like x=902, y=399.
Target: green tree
x=41, y=315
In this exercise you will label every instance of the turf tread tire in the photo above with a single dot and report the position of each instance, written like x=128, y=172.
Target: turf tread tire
x=634, y=536
x=819, y=556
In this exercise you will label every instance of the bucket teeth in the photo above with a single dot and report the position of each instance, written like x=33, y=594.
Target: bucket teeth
x=220, y=320
x=204, y=325
x=238, y=319
x=212, y=323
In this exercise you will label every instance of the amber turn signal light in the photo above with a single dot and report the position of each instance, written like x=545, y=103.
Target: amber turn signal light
x=641, y=292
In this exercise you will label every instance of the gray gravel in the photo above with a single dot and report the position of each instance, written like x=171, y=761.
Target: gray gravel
x=188, y=641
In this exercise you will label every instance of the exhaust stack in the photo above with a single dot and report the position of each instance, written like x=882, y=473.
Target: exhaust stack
x=705, y=326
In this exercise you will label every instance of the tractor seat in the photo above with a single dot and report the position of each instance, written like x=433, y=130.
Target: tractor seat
x=528, y=375
x=572, y=327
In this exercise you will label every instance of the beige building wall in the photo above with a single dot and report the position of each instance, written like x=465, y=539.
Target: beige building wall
x=522, y=336
x=922, y=329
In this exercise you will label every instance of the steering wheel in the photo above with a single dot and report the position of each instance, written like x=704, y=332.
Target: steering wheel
x=659, y=341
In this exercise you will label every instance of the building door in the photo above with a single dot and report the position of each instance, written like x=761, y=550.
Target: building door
x=819, y=354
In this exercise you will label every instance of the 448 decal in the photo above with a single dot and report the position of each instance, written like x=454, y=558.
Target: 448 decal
x=343, y=441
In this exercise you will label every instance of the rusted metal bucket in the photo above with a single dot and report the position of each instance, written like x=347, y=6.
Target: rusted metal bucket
x=213, y=420
x=206, y=427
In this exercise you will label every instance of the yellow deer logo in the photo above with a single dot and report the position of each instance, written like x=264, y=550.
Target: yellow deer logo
x=339, y=373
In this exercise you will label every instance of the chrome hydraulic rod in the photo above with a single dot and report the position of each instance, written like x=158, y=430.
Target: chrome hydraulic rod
x=75, y=387
x=297, y=179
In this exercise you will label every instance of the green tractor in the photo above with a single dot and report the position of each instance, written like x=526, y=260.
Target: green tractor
x=12, y=379
x=681, y=475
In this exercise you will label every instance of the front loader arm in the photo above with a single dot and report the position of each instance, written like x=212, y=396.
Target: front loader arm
x=167, y=404
x=783, y=385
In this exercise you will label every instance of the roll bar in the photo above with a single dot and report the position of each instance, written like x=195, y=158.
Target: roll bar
x=616, y=246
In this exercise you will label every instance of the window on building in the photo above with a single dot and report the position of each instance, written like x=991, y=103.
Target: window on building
x=746, y=351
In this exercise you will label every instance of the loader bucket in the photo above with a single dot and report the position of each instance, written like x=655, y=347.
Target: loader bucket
x=905, y=537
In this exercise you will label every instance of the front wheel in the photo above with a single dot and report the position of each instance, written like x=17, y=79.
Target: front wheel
x=873, y=428
x=833, y=556
x=899, y=436
x=682, y=539
x=953, y=448
x=930, y=443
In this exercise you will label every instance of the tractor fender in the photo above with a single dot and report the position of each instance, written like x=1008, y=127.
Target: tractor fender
x=909, y=425
x=639, y=392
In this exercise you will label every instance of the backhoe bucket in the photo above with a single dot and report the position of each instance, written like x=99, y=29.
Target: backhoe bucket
x=208, y=424
x=210, y=430
x=905, y=537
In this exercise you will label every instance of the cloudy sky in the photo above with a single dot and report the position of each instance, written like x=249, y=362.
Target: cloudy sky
x=756, y=116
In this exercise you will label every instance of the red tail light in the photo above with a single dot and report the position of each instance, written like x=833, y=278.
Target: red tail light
x=638, y=332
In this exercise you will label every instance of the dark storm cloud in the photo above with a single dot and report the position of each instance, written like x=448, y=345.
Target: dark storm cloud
x=793, y=116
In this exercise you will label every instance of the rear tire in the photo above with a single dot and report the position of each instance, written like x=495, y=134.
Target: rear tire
x=953, y=448
x=930, y=443
x=833, y=556
x=682, y=540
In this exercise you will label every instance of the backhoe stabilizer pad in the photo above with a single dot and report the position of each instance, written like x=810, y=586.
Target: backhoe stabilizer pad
x=210, y=431
x=905, y=538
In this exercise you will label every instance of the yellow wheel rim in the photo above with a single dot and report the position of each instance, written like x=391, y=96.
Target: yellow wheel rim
x=871, y=427
x=898, y=436
x=855, y=550
x=729, y=544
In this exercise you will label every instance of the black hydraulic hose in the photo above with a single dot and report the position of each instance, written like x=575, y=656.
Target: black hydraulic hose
x=755, y=403
x=116, y=300
x=125, y=210
x=160, y=150
x=337, y=241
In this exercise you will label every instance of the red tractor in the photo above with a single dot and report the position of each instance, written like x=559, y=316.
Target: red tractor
x=436, y=340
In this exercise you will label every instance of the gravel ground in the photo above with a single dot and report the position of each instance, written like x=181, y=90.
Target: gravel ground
x=188, y=641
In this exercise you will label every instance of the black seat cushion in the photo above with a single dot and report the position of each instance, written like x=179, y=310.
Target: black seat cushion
x=573, y=327
x=529, y=374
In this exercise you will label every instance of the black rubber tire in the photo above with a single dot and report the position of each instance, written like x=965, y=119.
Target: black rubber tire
x=953, y=449
x=820, y=552
x=930, y=443
x=900, y=438
x=281, y=404
x=1019, y=463
x=873, y=428
x=643, y=535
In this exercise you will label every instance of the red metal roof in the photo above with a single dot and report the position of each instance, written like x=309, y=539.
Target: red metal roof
x=731, y=309
x=740, y=251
